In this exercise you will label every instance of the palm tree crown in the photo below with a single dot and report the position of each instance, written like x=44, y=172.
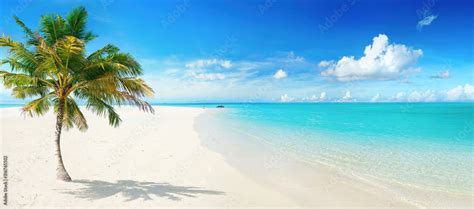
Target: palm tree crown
x=53, y=67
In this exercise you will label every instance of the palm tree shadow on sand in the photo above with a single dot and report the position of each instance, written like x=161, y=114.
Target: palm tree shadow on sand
x=132, y=190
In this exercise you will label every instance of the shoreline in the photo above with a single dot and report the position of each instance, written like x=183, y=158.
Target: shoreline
x=308, y=184
x=391, y=189
x=170, y=159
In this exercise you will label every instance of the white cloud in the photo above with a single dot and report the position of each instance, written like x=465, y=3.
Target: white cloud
x=381, y=61
x=326, y=63
x=427, y=20
x=322, y=97
x=458, y=93
x=209, y=69
x=454, y=93
x=208, y=76
x=347, y=96
x=226, y=64
x=286, y=98
x=202, y=63
x=426, y=96
x=316, y=98
x=461, y=93
x=414, y=97
x=311, y=98
x=375, y=98
x=469, y=91
x=280, y=74
x=291, y=57
x=442, y=75
x=399, y=96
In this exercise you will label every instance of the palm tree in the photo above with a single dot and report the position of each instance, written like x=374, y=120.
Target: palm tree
x=52, y=65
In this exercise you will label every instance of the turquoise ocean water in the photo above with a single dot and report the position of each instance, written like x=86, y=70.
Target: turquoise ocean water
x=423, y=145
x=10, y=105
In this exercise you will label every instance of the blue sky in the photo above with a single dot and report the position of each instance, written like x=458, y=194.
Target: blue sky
x=282, y=50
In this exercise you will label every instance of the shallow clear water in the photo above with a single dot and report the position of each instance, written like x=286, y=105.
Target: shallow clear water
x=10, y=105
x=426, y=145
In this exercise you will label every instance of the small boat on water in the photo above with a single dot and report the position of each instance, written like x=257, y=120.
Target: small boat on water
x=220, y=106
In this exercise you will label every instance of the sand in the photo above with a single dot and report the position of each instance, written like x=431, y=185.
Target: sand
x=154, y=161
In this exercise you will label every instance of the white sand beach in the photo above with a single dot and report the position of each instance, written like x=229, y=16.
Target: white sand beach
x=153, y=161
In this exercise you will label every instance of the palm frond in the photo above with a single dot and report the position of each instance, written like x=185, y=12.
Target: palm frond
x=136, y=87
x=20, y=54
x=38, y=107
x=51, y=60
x=18, y=65
x=53, y=28
x=101, y=108
x=125, y=97
x=101, y=53
x=122, y=64
x=69, y=49
x=125, y=59
x=120, y=91
x=73, y=116
x=76, y=24
x=11, y=80
x=32, y=37
x=23, y=92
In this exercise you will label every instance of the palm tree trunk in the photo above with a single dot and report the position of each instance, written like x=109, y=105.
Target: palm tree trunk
x=61, y=172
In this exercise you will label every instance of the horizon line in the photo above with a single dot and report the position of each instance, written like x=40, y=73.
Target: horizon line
x=327, y=102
